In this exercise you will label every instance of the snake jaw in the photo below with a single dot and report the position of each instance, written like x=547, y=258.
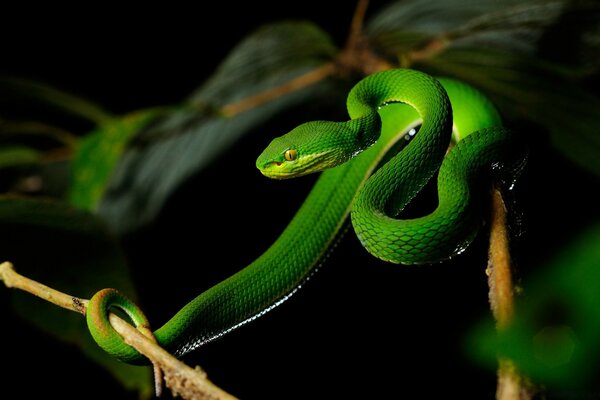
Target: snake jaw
x=305, y=165
x=272, y=170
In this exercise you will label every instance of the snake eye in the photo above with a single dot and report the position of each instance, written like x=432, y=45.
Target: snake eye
x=290, y=155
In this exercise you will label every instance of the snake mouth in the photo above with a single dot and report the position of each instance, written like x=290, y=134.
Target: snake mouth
x=317, y=162
x=273, y=170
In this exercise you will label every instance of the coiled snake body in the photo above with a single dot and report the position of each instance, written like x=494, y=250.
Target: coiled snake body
x=351, y=152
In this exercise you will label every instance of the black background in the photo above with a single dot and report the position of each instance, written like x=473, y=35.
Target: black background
x=360, y=328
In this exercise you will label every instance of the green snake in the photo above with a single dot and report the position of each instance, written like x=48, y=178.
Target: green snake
x=353, y=183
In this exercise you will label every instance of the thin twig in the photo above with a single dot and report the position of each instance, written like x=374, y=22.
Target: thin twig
x=511, y=385
x=430, y=49
x=356, y=26
x=300, y=82
x=9, y=128
x=68, y=102
x=356, y=56
x=14, y=280
x=183, y=381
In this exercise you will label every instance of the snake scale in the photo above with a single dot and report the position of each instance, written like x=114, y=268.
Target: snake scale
x=352, y=183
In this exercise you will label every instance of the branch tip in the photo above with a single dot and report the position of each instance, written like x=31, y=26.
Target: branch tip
x=12, y=279
x=6, y=268
x=184, y=381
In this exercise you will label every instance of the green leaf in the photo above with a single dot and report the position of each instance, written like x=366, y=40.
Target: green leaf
x=554, y=338
x=171, y=150
x=68, y=250
x=98, y=154
x=274, y=49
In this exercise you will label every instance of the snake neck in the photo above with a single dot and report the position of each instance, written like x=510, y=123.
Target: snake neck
x=450, y=228
x=402, y=176
x=406, y=173
x=361, y=133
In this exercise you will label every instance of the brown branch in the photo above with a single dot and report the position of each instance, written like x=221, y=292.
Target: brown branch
x=183, y=381
x=356, y=26
x=429, y=49
x=300, y=82
x=12, y=279
x=511, y=385
x=356, y=56
x=499, y=265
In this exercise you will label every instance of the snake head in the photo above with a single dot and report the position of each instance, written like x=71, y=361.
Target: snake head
x=311, y=147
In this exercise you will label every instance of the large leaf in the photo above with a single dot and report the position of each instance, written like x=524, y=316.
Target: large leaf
x=69, y=250
x=98, y=154
x=498, y=46
x=525, y=89
x=169, y=151
x=509, y=24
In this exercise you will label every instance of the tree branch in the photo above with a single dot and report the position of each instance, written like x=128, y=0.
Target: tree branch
x=511, y=385
x=184, y=381
x=12, y=279
x=499, y=268
x=356, y=56
x=189, y=383
x=358, y=19
x=300, y=82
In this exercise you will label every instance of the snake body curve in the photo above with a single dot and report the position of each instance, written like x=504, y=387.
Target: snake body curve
x=354, y=148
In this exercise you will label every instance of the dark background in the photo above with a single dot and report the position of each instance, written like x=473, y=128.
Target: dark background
x=125, y=58
x=360, y=328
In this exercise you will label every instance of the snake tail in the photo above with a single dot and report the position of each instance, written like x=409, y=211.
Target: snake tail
x=97, y=312
x=385, y=111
